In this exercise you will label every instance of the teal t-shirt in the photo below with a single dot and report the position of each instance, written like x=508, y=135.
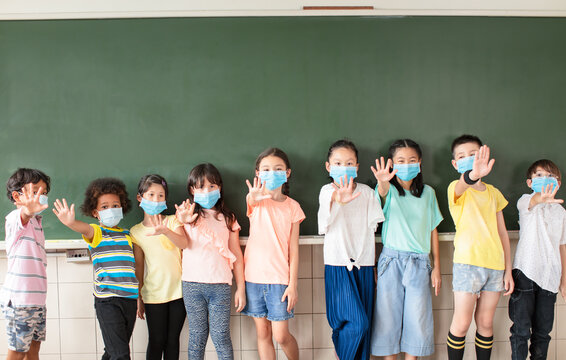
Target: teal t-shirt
x=409, y=220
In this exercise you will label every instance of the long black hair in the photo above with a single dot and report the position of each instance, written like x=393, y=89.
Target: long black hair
x=281, y=155
x=417, y=185
x=196, y=180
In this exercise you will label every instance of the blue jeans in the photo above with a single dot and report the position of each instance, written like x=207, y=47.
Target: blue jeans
x=402, y=320
x=264, y=301
x=208, y=307
x=532, y=311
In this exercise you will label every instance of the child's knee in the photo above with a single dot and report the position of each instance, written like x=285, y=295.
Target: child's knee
x=263, y=331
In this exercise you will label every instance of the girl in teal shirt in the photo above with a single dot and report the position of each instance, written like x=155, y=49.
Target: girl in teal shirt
x=402, y=319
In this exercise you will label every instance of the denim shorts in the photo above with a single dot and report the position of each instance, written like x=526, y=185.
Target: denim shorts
x=264, y=300
x=24, y=324
x=475, y=279
x=402, y=317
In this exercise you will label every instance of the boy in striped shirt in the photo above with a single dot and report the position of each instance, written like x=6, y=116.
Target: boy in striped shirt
x=115, y=283
x=23, y=295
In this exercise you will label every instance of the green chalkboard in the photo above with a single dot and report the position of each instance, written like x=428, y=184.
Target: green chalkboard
x=83, y=99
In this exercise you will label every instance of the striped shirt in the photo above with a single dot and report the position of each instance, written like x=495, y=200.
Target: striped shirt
x=26, y=276
x=113, y=261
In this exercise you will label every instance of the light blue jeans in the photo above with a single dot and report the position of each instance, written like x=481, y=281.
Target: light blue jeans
x=208, y=307
x=402, y=320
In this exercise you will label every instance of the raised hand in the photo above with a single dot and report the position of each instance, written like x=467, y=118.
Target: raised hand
x=64, y=213
x=344, y=193
x=256, y=192
x=548, y=193
x=381, y=170
x=156, y=223
x=482, y=163
x=186, y=212
x=30, y=201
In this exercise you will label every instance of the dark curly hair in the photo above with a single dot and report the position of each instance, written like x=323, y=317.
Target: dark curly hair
x=24, y=176
x=101, y=187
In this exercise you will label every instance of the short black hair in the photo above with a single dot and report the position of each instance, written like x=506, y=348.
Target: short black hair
x=464, y=139
x=24, y=176
x=546, y=165
x=103, y=186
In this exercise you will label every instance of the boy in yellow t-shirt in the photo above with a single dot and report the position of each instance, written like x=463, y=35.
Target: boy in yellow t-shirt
x=482, y=259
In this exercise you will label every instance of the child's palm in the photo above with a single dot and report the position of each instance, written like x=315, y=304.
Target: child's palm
x=186, y=212
x=30, y=201
x=547, y=195
x=156, y=223
x=482, y=163
x=256, y=192
x=344, y=193
x=65, y=213
x=381, y=170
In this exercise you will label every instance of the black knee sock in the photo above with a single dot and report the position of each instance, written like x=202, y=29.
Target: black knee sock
x=483, y=346
x=455, y=346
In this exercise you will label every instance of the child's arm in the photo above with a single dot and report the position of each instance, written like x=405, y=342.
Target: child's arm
x=140, y=258
x=29, y=203
x=291, y=292
x=504, y=236
x=383, y=176
x=177, y=237
x=66, y=215
x=256, y=192
x=563, y=278
x=482, y=167
x=435, y=274
x=545, y=196
x=240, y=295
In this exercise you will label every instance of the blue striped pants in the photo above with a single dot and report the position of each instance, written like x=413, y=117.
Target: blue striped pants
x=349, y=307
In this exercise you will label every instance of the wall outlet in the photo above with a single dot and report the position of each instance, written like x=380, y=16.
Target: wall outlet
x=78, y=255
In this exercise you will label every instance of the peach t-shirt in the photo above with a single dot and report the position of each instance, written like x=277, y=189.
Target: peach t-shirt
x=266, y=258
x=208, y=258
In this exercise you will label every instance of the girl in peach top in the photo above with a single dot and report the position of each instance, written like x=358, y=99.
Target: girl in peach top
x=210, y=254
x=272, y=254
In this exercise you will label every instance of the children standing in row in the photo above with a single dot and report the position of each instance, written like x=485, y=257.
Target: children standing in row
x=158, y=270
x=403, y=307
x=272, y=254
x=482, y=257
x=540, y=260
x=111, y=250
x=211, y=250
x=348, y=216
x=23, y=295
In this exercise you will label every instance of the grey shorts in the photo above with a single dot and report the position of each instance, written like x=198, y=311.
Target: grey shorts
x=475, y=279
x=24, y=325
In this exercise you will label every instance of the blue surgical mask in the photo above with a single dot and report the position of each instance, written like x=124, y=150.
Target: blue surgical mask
x=43, y=200
x=465, y=164
x=110, y=217
x=273, y=179
x=207, y=199
x=407, y=172
x=540, y=183
x=338, y=172
x=153, y=207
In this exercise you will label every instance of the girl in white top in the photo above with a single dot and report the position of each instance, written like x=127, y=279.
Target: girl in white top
x=158, y=270
x=210, y=253
x=348, y=216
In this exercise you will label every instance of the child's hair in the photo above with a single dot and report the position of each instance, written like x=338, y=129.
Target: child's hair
x=281, y=155
x=546, y=165
x=417, y=185
x=196, y=180
x=342, y=143
x=464, y=139
x=103, y=186
x=24, y=176
x=147, y=180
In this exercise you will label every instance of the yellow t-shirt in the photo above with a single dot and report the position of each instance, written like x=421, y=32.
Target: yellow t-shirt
x=162, y=278
x=477, y=241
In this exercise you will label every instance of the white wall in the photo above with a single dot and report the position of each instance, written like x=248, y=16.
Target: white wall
x=77, y=9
